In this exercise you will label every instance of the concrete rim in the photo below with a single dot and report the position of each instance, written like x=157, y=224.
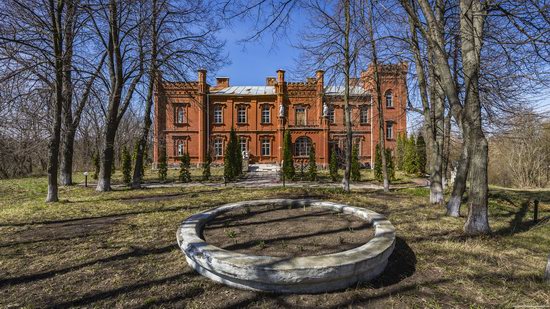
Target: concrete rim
x=309, y=274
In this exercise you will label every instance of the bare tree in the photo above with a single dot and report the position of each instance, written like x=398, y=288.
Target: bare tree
x=120, y=29
x=181, y=38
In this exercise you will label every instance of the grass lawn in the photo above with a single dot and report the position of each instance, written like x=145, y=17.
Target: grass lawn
x=118, y=249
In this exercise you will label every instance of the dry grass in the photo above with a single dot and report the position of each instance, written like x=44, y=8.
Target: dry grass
x=118, y=249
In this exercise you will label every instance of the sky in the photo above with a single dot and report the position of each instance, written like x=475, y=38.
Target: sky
x=252, y=62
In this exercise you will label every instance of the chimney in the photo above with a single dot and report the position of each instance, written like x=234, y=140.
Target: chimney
x=202, y=80
x=320, y=74
x=270, y=81
x=281, y=76
x=222, y=82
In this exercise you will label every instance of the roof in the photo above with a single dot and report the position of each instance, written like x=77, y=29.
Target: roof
x=245, y=90
x=339, y=90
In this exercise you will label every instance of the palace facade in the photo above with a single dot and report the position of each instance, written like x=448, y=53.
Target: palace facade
x=195, y=117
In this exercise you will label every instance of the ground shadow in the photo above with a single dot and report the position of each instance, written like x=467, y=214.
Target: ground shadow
x=401, y=264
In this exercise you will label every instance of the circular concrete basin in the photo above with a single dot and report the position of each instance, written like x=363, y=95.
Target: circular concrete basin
x=309, y=274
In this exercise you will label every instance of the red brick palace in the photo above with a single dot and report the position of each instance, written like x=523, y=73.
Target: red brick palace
x=195, y=116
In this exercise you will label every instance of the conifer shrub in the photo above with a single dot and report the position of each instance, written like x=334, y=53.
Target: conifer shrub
x=162, y=165
x=185, y=165
x=288, y=159
x=126, y=166
x=206, y=167
x=421, y=154
x=312, y=165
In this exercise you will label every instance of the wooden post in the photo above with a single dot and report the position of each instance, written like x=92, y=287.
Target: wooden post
x=536, y=214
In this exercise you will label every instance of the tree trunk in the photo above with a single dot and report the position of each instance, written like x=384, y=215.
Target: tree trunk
x=67, y=157
x=459, y=184
x=378, y=89
x=53, y=146
x=107, y=157
x=347, y=109
x=478, y=221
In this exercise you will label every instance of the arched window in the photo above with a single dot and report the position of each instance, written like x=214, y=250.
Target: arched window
x=389, y=98
x=180, y=115
x=302, y=146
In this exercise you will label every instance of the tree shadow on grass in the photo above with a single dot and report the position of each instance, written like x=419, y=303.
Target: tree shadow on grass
x=136, y=252
x=401, y=264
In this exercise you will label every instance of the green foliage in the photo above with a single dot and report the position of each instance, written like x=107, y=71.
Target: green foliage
x=355, y=165
x=333, y=165
x=233, y=160
x=126, y=166
x=113, y=165
x=378, y=174
x=95, y=159
x=206, y=174
x=162, y=165
x=400, y=151
x=410, y=160
x=311, y=165
x=288, y=160
x=134, y=158
x=185, y=164
x=421, y=153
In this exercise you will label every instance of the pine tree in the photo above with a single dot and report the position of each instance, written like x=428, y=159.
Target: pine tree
x=162, y=165
x=288, y=160
x=95, y=159
x=400, y=151
x=206, y=167
x=421, y=154
x=232, y=161
x=333, y=166
x=311, y=165
x=185, y=164
x=126, y=166
x=355, y=165
x=410, y=160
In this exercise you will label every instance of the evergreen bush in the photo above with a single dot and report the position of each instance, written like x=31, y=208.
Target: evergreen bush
x=185, y=164
x=311, y=165
x=421, y=153
x=126, y=166
x=95, y=159
x=333, y=165
x=288, y=160
x=206, y=167
x=163, y=165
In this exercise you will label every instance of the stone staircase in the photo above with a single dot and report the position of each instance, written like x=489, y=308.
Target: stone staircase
x=261, y=174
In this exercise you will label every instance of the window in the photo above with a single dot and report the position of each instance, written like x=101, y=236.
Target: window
x=243, y=143
x=364, y=114
x=266, y=147
x=389, y=130
x=218, y=147
x=300, y=116
x=218, y=114
x=241, y=114
x=266, y=114
x=180, y=148
x=180, y=115
x=302, y=146
x=331, y=118
x=389, y=99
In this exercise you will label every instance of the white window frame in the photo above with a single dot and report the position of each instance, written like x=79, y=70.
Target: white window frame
x=302, y=146
x=180, y=115
x=265, y=142
x=389, y=98
x=364, y=114
x=389, y=130
x=266, y=113
x=218, y=113
x=243, y=141
x=180, y=148
x=241, y=108
x=218, y=142
x=331, y=115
